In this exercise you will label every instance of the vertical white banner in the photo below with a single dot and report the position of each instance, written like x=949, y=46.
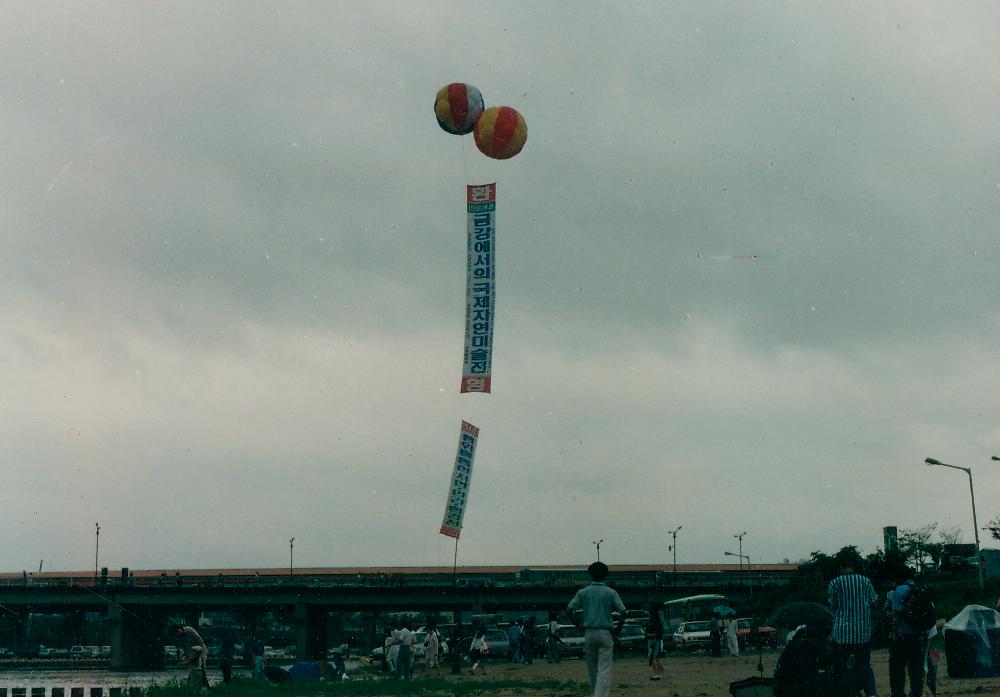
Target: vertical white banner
x=480, y=287
x=458, y=494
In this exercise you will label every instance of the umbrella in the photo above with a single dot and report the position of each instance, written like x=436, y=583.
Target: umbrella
x=791, y=615
x=723, y=611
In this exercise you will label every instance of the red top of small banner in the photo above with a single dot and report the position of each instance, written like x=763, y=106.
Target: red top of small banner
x=469, y=428
x=480, y=193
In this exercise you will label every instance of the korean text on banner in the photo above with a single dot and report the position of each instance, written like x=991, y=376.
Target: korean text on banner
x=459, y=493
x=480, y=287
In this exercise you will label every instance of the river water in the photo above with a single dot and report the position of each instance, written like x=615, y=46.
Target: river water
x=97, y=677
x=102, y=677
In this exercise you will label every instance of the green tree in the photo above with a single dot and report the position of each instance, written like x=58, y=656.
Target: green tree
x=994, y=527
x=916, y=547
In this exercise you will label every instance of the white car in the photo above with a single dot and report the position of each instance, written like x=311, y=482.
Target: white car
x=693, y=635
x=418, y=649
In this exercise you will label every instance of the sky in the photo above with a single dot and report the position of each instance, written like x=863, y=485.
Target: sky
x=232, y=280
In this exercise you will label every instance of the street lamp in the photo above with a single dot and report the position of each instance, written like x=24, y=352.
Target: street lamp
x=741, y=556
x=598, y=543
x=740, y=538
x=97, y=547
x=975, y=526
x=673, y=547
x=291, y=557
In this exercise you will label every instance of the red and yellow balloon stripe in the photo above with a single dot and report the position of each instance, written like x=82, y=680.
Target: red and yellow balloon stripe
x=500, y=132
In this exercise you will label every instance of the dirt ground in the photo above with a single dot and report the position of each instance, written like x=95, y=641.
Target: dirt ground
x=696, y=676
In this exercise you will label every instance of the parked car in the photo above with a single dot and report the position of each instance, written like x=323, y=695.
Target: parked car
x=6, y=653
x=692, y=635
x=52, y=652
x=631, y=637
x=105, y=652
x=79, y=652
x=499, y=643
x=632, y=616
x=765, y=635
x=171, y=653
x=572, y=640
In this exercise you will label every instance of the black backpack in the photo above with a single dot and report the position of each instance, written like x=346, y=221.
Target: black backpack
x=918, y=611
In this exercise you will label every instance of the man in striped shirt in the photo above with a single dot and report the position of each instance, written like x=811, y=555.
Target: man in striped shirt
x=851, y=596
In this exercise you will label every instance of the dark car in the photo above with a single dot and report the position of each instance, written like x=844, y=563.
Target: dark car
x=631, y=637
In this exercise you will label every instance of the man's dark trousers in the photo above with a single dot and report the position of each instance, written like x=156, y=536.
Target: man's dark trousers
x=906, y=656
x=853, y=669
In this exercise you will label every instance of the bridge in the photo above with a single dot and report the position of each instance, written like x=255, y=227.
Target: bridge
x=138, y=605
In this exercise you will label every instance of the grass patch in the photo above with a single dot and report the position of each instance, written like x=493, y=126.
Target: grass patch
x=461, y=686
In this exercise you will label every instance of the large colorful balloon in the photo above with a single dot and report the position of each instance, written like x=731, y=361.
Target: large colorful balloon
x=457, y=106
x=500, y=132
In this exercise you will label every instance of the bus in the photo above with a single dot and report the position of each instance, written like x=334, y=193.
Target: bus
x=693, y=607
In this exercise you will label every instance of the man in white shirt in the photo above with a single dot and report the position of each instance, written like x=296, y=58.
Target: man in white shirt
x=596, y=602
x=552, y=640
x=404, y=659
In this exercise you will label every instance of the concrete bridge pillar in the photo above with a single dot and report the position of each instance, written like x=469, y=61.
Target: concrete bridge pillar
x=310, y=631
x=73, y=628
x=248, y=619
x=137, y=637
x=19, y=630
x=368, y=638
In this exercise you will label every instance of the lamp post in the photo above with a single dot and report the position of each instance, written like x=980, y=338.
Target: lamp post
x=291, y=557
x=598, y=544
x=975, y=526
x=673, y=547
x=97, y=547
x=741, y=556
x=740, y=538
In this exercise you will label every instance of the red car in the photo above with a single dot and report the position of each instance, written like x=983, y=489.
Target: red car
x=766, y=636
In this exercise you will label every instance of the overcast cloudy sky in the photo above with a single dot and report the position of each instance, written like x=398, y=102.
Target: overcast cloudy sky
x=232, y=280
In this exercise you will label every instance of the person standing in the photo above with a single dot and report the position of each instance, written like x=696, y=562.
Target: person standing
x=194, y=651
x=432, y=645
x=527, y=637
x=477, y=650
x=258, y=659
x=552, y=640
x=226, y=653
x=935, y=649
x=404, y=659
x=733, y=637
x=907, y=645
x=715, y=636
x=514, y=640
x=851, y=597
x=454, y=651
x=654, y=642
x=392, y=651
x=596, y=602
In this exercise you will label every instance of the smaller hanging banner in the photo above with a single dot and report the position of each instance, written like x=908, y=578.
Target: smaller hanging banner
x=459, y=493
x=480, y=287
